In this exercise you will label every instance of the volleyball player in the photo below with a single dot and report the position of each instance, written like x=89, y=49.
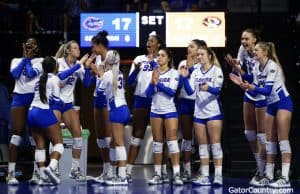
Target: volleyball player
x=206, y=82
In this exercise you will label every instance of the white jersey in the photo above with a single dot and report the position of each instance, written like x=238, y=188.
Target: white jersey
x=183, y=93
x=98, y=79
x=68, y=84
x=161, y=102
x=144, y=76
x=52, y=92
x=207, y=104
x=107, y=86
x=248, y=63
x=271, y=74
x=24, y=84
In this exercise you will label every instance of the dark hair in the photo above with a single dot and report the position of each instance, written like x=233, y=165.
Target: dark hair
x=255, y=33
x=37, y=50
x=49, y=65
x=199, y=43
x=101, y=38
x=159, y=40
x=170, y=55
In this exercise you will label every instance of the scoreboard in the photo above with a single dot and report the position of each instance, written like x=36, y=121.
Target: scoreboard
x=175, y=28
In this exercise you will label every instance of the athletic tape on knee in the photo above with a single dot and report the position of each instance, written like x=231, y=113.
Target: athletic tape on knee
x=271, y=147
x=186, y=145
x=261, y=137
x=250, y=135
x=121, y=153
x=77, y=143
x=101, y=143
x=112, y=154
x=16, y=140
x=107, y=142
x=40, y=155
x=32, y=141
x=216, y=150
x=203, y=151
x=157, y=147
x=285, y=147
x=173, y=146
x=135, y=141
x=59, y=147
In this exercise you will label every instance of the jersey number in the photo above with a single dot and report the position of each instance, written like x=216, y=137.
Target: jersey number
x=120, y=84
x=70, y=81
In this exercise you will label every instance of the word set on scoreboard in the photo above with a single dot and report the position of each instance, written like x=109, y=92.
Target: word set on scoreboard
x=175, y=28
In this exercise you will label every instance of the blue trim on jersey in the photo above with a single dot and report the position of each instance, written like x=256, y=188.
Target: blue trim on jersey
x=131, y=80
x=248, y=77
x=266, y=91
x=165, y=90
x=214, y=90
x=153, y=64
x=142, y=102
x=17, y=71
x=150, y=90
x=283, y=104
x=187, y=86
x=164, y=116
x=204, y=121
x=257, y=104
x=22, y=99
x=206, y=70
x=100, y=102
x=64, y=74
x=40, y=118
x=87, y=78
x=30, y=72
x=120, y=115
x=186, y=106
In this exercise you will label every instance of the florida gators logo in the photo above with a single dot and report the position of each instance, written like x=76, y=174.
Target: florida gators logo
x=212, y=21
x=93, y=23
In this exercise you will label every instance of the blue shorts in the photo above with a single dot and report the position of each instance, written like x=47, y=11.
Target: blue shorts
x=164, y=116
x=283, y=104
x=142, y=102
x=257, y=104
x=100, y=102
x=204, y=121
x=186, y=106
x=22, y=99
x=120, y=115
x=64, y=108
x=40, y=118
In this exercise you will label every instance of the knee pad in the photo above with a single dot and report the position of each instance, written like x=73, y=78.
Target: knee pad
x=112, y=154
x=271, y=147
x=173, y=146
x=59, y=147
x=107, y=142
x=157, y=147
x=32, y=141
x=261, y=137
x=101, y=143
x=203, y=151
x=186, y=145
x=135, y=141
x=40, y=155
x=16, y=140
x=250, y=135
x=284, y=146
x=216, y=150
x=121, y=153
x=77, y=143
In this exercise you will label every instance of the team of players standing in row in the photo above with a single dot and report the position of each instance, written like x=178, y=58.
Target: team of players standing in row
x=47, y=86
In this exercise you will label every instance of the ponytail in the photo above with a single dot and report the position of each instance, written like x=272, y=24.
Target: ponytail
x=213, y=57
x=113, y=58
x=64, y=49
x=42, y=87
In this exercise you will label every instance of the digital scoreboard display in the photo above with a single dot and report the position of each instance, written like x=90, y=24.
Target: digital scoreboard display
x=122, y=28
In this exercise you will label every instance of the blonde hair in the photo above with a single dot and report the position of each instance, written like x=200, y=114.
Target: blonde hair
x=113, y=58
x=213, y=57
x=64, y=49
x=269, y=47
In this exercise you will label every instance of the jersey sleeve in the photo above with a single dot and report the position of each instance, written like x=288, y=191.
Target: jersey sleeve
x=218, y=78
x=174, y=80
x=272, y=71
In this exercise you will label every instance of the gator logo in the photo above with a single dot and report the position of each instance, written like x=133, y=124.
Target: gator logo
x=212, y=21
x=93, y=23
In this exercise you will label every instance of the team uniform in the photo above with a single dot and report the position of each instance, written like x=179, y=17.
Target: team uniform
x=141, y=80
x=68, y=76
x=247, y=63
x=26, y=73
x=40, y=114
x=99, y=100
x=163, y=105
x=186, y=103
x=117, y=106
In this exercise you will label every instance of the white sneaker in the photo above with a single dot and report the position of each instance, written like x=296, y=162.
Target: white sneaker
x=117, y=181
x=77, y=175
x=51, y=174
x=255, y=180
x=264, y=181
x=177, y=180
x=201, y=181
x=282, y=182
x=35, y=178
x=155, y=180
x=218, y=181
x=11, y=179
x=45, y=181
x=101, y=179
